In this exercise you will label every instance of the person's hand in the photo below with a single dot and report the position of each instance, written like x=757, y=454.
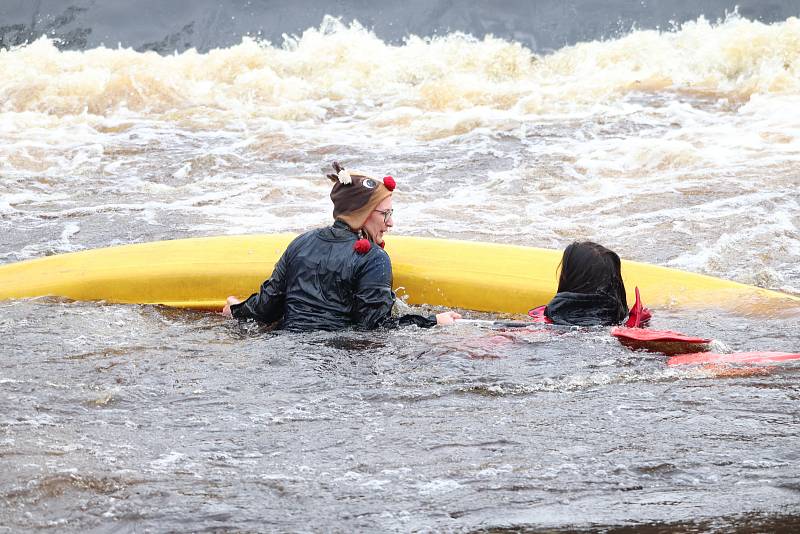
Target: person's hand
x=226, y=311
x=448, y=317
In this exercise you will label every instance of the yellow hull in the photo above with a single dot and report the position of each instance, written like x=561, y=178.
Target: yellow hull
x=200, y=273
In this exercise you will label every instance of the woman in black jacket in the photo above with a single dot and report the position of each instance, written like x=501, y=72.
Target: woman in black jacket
x=340, y=276
x=590, y=288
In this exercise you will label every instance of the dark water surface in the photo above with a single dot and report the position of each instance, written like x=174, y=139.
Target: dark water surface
x=139, y=418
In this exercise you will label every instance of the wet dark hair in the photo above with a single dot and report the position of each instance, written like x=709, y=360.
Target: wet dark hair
x=589, y=268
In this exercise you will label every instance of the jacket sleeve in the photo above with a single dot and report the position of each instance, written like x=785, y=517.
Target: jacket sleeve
x=267, y=305
x=409, y=319
x=374, y=298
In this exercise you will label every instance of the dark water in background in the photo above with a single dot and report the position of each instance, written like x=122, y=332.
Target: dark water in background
x=676, y=148
x=166, y=26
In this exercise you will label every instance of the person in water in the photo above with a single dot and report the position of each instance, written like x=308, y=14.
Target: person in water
x=590, y=289
x=591, y=293
x=340, y=276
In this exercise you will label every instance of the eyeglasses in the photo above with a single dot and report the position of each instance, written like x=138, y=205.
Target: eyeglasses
x=387, y=214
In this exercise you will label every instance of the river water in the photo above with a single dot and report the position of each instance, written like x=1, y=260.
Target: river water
x=678, y=148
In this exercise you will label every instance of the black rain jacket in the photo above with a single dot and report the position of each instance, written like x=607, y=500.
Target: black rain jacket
x=321, y=283
x=585, y=309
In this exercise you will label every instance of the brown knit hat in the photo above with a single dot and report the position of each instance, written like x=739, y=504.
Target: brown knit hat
x=355, y=195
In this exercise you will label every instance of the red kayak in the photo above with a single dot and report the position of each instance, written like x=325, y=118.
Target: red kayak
x=663, y=341
x=736, y=357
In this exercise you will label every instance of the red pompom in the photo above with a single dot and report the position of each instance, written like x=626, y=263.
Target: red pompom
x=389, y=182
x=362, y=246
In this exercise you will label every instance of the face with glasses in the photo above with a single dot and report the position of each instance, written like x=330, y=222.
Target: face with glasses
x=380, y=220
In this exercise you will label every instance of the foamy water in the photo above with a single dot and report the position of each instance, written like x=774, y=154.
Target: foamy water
x=678, y=148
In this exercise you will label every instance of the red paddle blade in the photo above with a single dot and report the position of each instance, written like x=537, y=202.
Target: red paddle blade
x=736, y=357
x=663, y=341
x=646, y=334
x=639, y=315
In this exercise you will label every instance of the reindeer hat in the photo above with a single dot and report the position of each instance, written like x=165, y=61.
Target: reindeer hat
x=355, y=195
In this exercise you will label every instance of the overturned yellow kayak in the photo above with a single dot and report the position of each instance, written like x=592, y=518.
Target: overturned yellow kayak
x=200, y=273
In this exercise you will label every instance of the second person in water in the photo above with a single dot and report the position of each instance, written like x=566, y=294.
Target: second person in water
x=590, y=290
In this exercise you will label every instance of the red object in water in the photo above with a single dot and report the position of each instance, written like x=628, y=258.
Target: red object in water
x=736, y=357
x=362, y=246
x=389, y=182
x=538, y=315
x=646, y=334
x=663, y=341
x=639, y=315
